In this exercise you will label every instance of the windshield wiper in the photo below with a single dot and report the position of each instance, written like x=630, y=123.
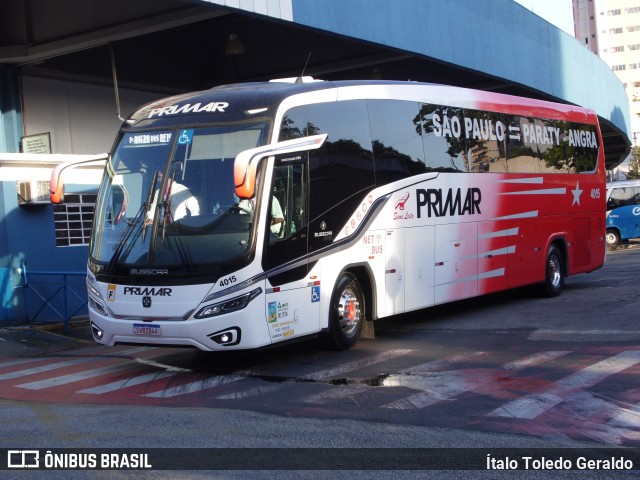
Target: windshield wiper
x=163, y=211
x=131, y=224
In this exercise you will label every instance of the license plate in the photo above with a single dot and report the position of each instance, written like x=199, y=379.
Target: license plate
x=146, y=329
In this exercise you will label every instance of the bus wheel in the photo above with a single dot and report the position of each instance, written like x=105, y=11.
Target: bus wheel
x=554, y=273
x=346, y=314
x=613, y=237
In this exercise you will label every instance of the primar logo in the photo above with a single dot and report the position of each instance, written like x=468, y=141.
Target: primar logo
x=450, y=202
x=148, y=291
x=188, y=108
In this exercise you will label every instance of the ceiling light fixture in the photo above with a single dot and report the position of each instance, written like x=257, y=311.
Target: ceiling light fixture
x=234, y=46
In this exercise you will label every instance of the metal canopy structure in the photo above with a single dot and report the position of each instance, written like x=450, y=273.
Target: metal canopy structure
x=173, y=46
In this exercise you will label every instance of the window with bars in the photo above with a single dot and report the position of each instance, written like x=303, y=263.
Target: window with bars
x=73, y=219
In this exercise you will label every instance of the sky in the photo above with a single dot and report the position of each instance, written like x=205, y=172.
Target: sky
x=557, y=12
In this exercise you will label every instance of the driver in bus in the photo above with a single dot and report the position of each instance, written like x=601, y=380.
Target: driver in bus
x=182, y=203
x=276, y=216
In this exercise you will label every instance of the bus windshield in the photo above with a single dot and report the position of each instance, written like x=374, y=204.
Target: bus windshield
x=167, y=201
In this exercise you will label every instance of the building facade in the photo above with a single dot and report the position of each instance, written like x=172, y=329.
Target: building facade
x=611, y=30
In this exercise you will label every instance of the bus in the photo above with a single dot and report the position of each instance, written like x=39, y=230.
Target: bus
x=623, y=211
x=252, y=214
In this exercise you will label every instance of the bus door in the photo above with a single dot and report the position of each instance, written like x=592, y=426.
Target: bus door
x=456, y=261
x=419, y=267
x=293, y=298
x=394, y=271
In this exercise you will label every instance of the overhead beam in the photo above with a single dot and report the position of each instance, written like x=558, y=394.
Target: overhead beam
x=29, y=54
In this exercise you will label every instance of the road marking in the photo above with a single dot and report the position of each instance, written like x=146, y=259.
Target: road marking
x=337, y=393
x=204, y=384
x=216, y=381
x=13, y=363
x=530, y=406
x=44, y=368
x=628, y=417
x=73, y=377
x=442, y=363
x=449, y=384
x=341, y=391
x=322, y=374
x=127, y=382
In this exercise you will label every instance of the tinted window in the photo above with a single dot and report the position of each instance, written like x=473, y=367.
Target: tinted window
x=536, y=145
x=444, y=142
x=340, y=172
x=396, y=132
x=481, y=141
x=485, y=143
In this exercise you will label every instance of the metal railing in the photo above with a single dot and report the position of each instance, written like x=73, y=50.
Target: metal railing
x=53, y=293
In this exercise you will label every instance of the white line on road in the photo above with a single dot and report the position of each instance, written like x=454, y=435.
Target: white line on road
x=454, y=383
x=530, y=406
x=322, y=374
x=345, y=391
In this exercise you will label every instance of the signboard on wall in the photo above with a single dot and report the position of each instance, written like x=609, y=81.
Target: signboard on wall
x=39, y=143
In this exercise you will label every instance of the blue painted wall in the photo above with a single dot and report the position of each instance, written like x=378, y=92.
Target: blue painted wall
x=497, y=37
x=28, y=234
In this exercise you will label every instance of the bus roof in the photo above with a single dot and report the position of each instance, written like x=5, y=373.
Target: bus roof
x=237, y=101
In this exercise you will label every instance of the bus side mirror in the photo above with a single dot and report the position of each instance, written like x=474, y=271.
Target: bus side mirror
x=246, y=163
x=56, y=184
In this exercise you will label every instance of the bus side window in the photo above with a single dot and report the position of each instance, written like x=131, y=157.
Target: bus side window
x=620, y=197
x=396, y=131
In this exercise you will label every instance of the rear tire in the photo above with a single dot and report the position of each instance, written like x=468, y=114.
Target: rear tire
x=554, y=273
x=346, y=313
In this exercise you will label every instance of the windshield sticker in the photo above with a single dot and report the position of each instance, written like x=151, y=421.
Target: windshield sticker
x=185, y=137
x=150, y=139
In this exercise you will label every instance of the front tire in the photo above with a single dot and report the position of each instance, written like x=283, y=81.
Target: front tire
x=613, y=237
x=346, y=313
x=554, y=273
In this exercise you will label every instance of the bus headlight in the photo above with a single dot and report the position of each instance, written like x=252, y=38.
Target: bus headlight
x=97, y=306
x=228, y=306
x=93, y=289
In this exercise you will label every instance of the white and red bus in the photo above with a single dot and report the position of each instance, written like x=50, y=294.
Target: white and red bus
x=252, y=214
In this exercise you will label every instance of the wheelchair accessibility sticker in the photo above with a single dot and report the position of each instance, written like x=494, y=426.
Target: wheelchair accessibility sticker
x=185, y=137
x=315, y=294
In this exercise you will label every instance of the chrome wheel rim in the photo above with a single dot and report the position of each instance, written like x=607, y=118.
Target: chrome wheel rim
x=554, y=271
x=349, y=311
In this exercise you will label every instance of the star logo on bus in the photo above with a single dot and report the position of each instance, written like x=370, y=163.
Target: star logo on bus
x=576, y=194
